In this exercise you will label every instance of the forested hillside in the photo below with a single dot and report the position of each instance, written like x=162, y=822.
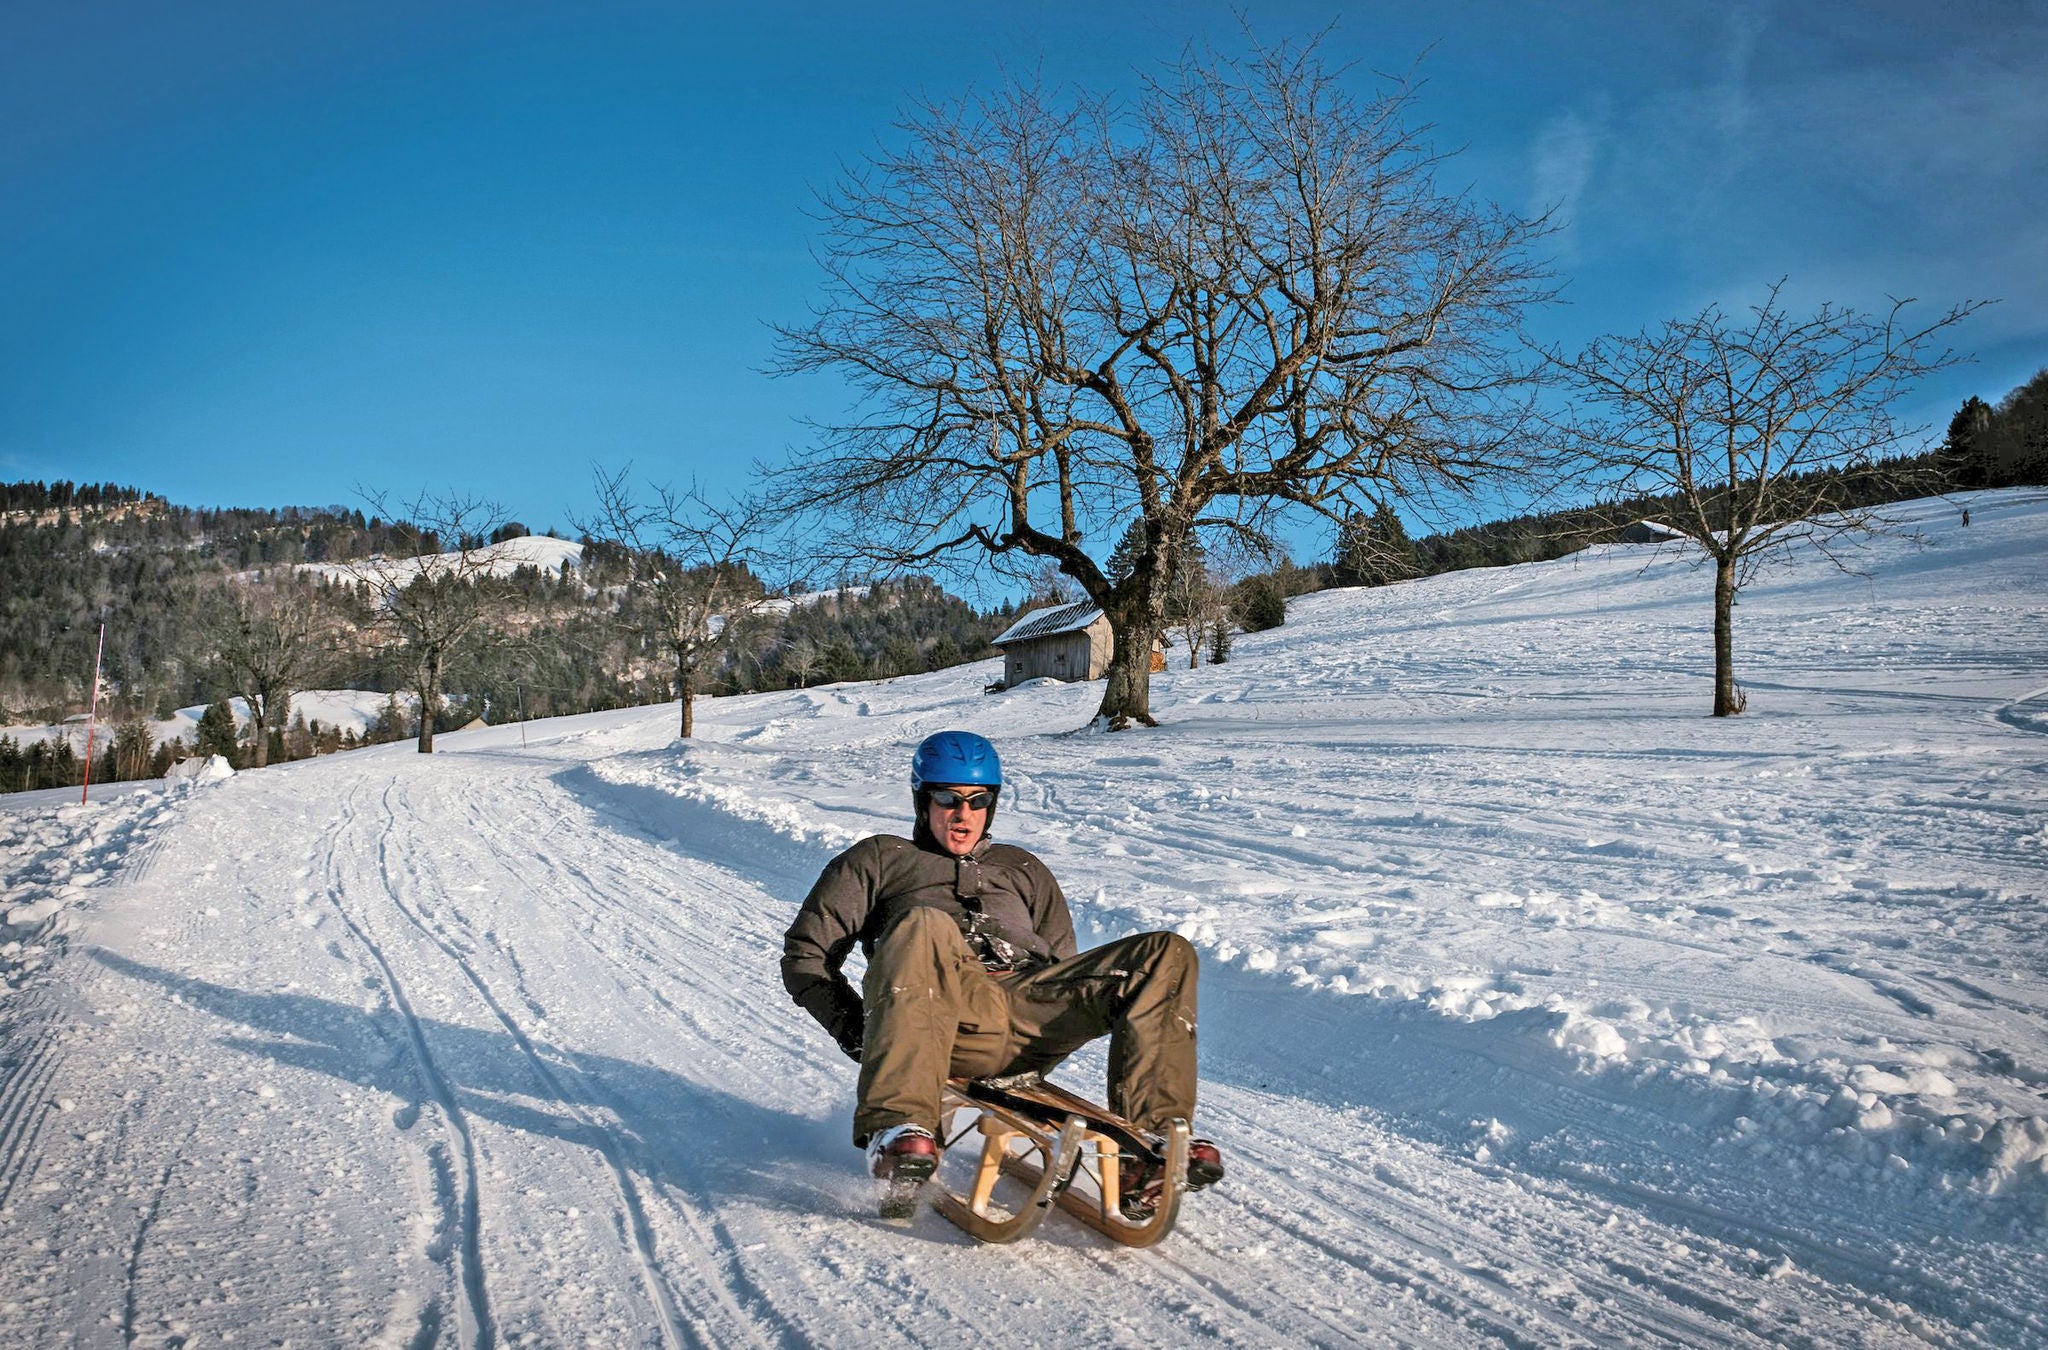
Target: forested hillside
x=72, y=556
x=556, y=640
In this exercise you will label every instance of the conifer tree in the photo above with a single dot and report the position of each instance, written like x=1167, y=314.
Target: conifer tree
x=217, y=733
x=1964, y=449
x=1373, y=550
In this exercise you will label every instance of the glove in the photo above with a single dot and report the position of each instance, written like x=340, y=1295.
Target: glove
x=839, y=1011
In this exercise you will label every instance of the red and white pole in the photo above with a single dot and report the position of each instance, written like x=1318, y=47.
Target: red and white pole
x=92, y=717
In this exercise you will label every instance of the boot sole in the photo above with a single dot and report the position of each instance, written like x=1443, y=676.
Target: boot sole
x=900, y=1188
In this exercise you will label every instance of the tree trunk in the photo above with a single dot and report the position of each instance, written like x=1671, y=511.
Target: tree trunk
x=430, y=700
x=1135, y=620
x=259, y=726
x=1127, y=697
x=686, y=694
x=1728, y=700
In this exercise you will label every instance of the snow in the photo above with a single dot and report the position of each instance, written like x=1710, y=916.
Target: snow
x=354, y=710
x=784, y=604
x=1538, y=1007
x=207, y=770
x=501, y=559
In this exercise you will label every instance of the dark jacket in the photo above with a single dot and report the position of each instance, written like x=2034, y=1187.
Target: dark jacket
x=1003, y=898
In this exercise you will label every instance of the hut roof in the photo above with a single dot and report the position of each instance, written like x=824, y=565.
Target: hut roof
x=1048, y=620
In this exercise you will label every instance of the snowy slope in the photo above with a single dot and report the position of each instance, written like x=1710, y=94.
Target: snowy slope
x=354, y=710
x=1539, y=1008
x=501, y=559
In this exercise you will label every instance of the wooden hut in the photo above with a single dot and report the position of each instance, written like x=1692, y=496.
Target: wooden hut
x=1064, y=642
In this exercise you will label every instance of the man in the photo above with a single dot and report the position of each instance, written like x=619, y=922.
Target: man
x=972, y=973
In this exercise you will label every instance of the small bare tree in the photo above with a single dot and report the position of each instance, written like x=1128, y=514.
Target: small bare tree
x=693, y=579
x=1757, y=428
x=439, y=596
x=1193, y=604
x=1245, y=293
x=265, y=640
x=1191, y=599
x=132, y=748
x=800, y=657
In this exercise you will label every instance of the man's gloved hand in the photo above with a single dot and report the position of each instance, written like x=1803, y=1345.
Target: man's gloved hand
x=839, y=1011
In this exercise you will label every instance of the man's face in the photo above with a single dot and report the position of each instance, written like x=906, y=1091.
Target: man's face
x=958, y=815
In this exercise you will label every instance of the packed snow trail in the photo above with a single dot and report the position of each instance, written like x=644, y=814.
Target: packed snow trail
x=434, y=1052
x=1532, y=1014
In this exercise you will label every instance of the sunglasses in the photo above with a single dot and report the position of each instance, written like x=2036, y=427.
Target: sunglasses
x=973, y=801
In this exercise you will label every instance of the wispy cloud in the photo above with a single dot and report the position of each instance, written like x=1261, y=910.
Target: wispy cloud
x=1860, y=170
x=1561, y=163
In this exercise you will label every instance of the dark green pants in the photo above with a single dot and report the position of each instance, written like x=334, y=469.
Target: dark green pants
x=934, y=1013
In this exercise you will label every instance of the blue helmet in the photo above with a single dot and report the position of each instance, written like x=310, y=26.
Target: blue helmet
x=955, y=757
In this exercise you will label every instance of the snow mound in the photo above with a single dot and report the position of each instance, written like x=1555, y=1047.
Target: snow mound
x=210, y=769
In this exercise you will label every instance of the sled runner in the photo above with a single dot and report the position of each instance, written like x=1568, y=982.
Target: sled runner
x=1047, y=1139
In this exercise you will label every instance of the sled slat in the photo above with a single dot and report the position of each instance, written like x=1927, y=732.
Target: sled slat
x=1066, y=1131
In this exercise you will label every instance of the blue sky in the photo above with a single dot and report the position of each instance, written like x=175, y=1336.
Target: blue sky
x=260, y=254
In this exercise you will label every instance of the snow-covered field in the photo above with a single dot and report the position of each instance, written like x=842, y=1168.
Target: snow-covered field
x=501, y=559
x=354, y=710
x=1538, y=1007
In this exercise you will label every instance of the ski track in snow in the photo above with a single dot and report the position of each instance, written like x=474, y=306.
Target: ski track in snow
x=1537, y=1008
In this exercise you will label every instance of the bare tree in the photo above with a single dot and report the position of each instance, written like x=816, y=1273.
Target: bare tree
x=265, y=640
x=1199, y=585
x=132, y=748
x=693, y=574
x=440, y=595
x=1757, y=428
x=800, y=658
x=1247, y=293
x=1193, y=604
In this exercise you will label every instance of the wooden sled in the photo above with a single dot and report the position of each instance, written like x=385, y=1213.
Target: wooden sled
x=1048, y=1138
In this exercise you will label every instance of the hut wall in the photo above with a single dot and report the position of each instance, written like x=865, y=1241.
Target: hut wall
x=1082, y=655
x=1100, y=645
x=1061, y=656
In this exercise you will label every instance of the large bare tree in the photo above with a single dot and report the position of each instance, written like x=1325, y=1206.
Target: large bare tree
x=265, y=639
x=695, y=586
x=1243, y=293
x=1764, y=429
x=439, y=594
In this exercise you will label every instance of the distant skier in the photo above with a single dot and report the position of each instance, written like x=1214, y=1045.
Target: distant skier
x=972, y=973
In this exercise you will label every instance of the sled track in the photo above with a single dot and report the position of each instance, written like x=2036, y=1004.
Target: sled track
x=24, y=1094
x=130, y=1311
x=1850, y=1277
x=723, y=1321
x=141, y=863
x=464, y=1219
x=726, y=1317
x=1453, y=1263
x=2027, y=713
